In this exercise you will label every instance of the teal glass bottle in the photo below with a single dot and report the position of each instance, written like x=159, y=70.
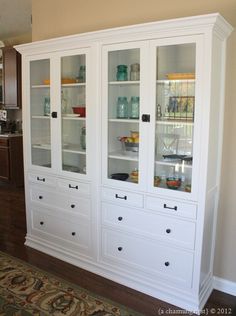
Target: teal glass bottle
x=134, y=108
x=122, y=108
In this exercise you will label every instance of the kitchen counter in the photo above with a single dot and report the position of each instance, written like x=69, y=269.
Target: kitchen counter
x=10, y=135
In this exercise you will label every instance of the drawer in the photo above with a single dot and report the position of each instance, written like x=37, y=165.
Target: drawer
x=4, y=142
x=175, y=231
x=171, y=207
x=145, y=255
x=42, y=179
x=62, y=231
x=55, y=200
x=122, y=197
x=74, y=187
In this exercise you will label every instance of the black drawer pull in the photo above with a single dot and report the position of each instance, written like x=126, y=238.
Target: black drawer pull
x=120, y=248
x=72, y=206
x=146, y=118
x=121, y=197
x=73, y=233
x=120, y=218
x=73, y=187
x=41, y=179
x=168, y=230
x=167, y=264
x=170, y=208
x=40, y=197
x=41, y=223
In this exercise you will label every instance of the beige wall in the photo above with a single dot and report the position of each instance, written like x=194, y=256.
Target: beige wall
x=58, y=18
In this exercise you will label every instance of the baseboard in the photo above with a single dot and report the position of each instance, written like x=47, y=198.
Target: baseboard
x=224, y=285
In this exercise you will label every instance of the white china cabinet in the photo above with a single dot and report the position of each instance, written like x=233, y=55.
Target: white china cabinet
x=123, y=139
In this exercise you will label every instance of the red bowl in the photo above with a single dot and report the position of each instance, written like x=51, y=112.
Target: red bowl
x=81, y=111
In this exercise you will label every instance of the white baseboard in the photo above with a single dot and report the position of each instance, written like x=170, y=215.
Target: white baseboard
x=224, y=285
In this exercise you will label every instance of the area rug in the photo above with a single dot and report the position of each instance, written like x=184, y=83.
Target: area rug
x=26, y=290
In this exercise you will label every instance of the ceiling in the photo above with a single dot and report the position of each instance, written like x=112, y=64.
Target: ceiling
x=15, y=18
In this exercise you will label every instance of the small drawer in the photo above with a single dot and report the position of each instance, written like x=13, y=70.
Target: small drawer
x=175, y=231
x=171, y=207
x=122, y=197
x=42, y=179
x=77, y=233
x=74, y=187
x=140, y=254
x=51, y=199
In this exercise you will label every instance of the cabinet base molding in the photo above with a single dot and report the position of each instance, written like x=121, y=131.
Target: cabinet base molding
x=171, y=295
x=224, y=285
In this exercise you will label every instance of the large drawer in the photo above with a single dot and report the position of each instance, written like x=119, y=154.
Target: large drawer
x=122, y=197
x=145, y=255
x=42, y=179
x=52, y=199
x=61, y=230
x=175, y=231
x=171, y=207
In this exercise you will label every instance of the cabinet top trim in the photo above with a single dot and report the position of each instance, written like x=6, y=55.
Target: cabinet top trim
x=198, y=24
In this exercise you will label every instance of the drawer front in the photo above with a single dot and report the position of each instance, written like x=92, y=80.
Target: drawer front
x=167, y=229
x=170, y=207
x=4, y=142
x=74, y=187
x=122, y=197
x=77, y=233
x=42, y=179
x=70, y=203
x=145, y=255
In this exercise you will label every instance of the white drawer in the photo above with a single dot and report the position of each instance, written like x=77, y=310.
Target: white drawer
x=171, y=207
x=74, y=187
x=147, y=256
x=42, y=179
x=54, y=200
x=122, y=197
x=175, y=231
x=61, y=231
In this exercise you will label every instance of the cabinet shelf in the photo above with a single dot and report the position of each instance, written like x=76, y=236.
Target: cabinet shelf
x=40, y=86
x=172, y=164
x=64, y=117
x=123, y=83
x=131, y=156
x=71, y=85
x=41, y=117
x=117, y=120
x=75, y=149
x=167, y=81
x=177, y=121
x=42, y=146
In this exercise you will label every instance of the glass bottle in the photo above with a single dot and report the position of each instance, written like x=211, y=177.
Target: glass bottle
x=83, y=137
x=122, y=107
x=121, y=74
x=82, y=74
x=64, y=103
x=135, y=72
x=134, y=108
x=47, y=106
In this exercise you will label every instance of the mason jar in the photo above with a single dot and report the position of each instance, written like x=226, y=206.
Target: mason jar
x=135, y=72
x=122, y=108
x=121, y=74
x=134, y=108
x=83, y=137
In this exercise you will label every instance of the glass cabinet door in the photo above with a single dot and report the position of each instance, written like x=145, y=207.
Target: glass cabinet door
x=174, y=116
x=123, y=113
x=73, y=113
x=40, y=113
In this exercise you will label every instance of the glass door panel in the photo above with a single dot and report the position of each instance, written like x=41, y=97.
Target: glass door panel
x=73, y=111
x=175, y=102
x=123, y=114
x=40, y=112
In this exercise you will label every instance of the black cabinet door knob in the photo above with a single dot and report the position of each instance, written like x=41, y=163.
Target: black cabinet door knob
x=120, y=218
x=120, y=248
x=72, y=206
x=167, y=263
x=41, y=223
x=73, y=233
x=168, y=230
x=40, y=197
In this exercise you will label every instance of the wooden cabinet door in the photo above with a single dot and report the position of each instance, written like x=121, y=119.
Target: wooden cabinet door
x=12, y=77
x=4, y=165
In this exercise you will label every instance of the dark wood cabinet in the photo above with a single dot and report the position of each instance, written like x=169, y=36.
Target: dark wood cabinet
x=11, y=160
x=11, y=78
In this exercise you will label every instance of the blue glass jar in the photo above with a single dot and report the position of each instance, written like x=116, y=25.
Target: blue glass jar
x=134, y=108
x=47, y=106
x=122, y=74
x=122, y=108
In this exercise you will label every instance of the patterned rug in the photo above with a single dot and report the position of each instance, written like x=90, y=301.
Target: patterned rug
x=26, y=290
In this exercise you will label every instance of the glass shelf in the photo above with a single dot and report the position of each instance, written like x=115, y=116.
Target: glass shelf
x=40, y=86
x=123, y=156
x=41, y=117
x=117, y=120
x=123, y=83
